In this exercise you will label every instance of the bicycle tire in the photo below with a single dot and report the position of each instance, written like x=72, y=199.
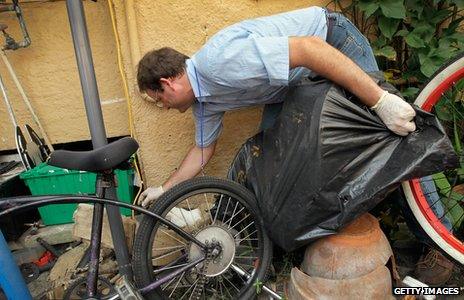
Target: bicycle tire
x=144, y=238
x=440, y=82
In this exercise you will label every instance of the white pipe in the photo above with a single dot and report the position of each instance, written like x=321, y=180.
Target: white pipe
x=8, y=104
x=26, y=100
x=131, y=19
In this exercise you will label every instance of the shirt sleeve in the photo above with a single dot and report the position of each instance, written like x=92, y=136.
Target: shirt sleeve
x=208, y=126
x=246, y=62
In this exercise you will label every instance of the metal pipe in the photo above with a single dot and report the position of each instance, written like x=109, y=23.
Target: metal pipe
x=25, y=99
x=19, y=14
x=8, y=104
x=95, y=118
x=86, y=72
x=115, y=222
x=245, y=274
x=95, y=241
x=131, y=19
x=11, y=280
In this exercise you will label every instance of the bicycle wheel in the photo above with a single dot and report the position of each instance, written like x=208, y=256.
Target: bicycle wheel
x=437, y=200
x=217, y=212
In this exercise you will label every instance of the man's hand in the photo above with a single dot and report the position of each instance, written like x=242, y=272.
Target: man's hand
x=149, y=195
x=396, y=113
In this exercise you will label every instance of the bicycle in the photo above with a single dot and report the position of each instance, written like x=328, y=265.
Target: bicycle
x=445, y=228
x=223, y=256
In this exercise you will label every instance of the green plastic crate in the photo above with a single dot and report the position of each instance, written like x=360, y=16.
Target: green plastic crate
x=48, y=180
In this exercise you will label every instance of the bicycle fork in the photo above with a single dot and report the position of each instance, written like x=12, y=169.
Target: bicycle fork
x=104, y=181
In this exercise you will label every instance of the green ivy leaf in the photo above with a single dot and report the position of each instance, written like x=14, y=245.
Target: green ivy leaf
x=438, y=16
x=425, y=31
x=393, y=9
x=387, y=52
x=410, y=92
x=415, y=6
x=368, y=7
x=443, y=111
x=388, y=26
x=429, y=66
x=414, y=40
x=402, y=32
x=379, y=42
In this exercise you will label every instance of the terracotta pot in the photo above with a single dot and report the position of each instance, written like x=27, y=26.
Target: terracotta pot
x=374, y=285
x=357, y=250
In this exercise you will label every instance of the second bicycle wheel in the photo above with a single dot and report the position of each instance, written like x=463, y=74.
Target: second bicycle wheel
x=215, y=211
x=437, y=201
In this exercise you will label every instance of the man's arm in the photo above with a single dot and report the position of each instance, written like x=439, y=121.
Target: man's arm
x=315, y=54
x=190, y=166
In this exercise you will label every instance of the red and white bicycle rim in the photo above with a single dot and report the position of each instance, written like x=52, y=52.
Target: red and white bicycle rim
x=443, y=81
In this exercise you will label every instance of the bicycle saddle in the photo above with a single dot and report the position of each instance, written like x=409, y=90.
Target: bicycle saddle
x=104, y=158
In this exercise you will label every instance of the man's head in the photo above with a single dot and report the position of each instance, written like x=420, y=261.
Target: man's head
x=161, y=75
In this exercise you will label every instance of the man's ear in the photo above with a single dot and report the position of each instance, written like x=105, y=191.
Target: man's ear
x=166, y=82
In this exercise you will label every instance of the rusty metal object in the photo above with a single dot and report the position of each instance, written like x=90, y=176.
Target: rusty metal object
x=357, y=250
x=374, y=285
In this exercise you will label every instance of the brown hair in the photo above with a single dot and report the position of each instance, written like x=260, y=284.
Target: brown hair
x=156, y=64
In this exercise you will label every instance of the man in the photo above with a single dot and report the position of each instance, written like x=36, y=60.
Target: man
x=254, y=62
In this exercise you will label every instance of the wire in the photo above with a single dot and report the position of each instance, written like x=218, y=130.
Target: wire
x=126, y=93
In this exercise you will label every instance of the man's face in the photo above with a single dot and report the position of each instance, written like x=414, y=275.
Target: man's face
x=175, y=94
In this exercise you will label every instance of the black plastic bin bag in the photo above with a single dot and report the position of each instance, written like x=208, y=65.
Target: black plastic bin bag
x=329, y=159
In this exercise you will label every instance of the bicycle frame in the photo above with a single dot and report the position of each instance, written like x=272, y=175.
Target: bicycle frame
x=15, y=204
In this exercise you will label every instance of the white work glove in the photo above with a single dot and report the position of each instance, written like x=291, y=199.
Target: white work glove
x=149, y=195
x=395, y=113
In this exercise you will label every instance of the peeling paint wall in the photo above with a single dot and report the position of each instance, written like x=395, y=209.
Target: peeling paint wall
x=48, y=72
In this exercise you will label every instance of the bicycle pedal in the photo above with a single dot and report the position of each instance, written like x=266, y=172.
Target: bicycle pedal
x=126, y=290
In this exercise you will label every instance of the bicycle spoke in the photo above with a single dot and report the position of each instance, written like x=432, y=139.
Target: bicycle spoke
x=168, y=248
x=169, y=283
x=217, y=209
x=249, y=235
x=183, y=216
x=244, y=229
x=165, y=232
x=191, y=215
x=208, y=208
x=193, y=290
x=234, y=214
x=225, y=287
x=225, y=211
x=246, y=216
x=458, y=221
x=175, y=287
x=186, y=292
x=169, y=268
x=233, y=285
x=165, y=255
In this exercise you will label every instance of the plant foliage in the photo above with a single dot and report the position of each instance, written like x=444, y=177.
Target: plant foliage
x=410, y=38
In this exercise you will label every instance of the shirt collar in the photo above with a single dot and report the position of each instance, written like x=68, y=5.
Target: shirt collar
x=192, y=76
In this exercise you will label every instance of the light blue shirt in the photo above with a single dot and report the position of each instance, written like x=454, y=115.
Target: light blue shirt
x=247, y=64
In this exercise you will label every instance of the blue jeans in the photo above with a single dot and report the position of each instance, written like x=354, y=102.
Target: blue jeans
x=433, y=199
x=345, y=37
